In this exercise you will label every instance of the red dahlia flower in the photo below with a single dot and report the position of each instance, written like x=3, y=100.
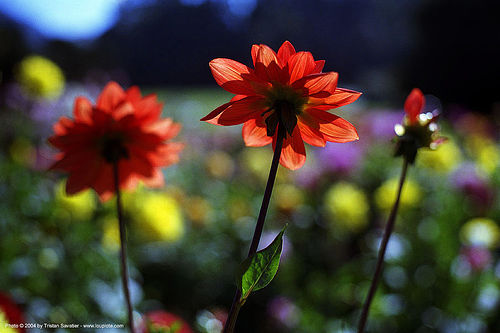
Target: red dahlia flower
x=286, y=88
x=123, y=127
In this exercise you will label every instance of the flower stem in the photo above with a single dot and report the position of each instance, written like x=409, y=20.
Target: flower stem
x=381, y=253
x=123, y=247
x=237, y=303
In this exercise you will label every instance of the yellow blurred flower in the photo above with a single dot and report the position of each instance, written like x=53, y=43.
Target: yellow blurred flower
x=481, y=231
x=444, y=159
x=238, y=207
x=22, y=151
x=80, y=206
x=197, y=209
x=288, y=197
x=220, y=165
x=157, y=216
x=385, y=195
x=4, y=322
x=40, y=77
x=484, y=151
x=347, y=206
x=258, y=161
x=111, y=234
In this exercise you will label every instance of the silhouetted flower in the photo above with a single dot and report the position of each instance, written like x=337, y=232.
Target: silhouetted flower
x=123, y=127
x=286, y=88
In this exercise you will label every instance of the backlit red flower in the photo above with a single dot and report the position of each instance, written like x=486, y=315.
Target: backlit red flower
x=123, y=127
x=287, y=88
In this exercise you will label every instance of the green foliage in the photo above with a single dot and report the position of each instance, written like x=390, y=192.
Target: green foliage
x=257, y=271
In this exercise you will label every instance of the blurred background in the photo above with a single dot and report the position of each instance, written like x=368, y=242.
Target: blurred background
x=58, y=254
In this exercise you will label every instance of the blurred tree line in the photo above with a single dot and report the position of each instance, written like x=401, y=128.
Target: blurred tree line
x=449, y=48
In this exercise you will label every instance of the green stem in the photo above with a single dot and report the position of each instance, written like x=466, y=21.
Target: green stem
x=123, y=248
x=237, y=303
x=381, y=254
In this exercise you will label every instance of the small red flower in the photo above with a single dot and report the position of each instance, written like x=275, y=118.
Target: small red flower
x=287, y=88
x=10, y=312
x=419, y=129
x=123, y=127
x=163, y=321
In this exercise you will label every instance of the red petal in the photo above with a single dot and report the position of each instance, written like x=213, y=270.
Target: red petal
x=255, y=134
x=111, y=96
x=166, y=154
x=229, y=75
x=319, y=66
x=62, y=126
x=311, y=135
x=166, y=129
x=104, y=183
x=339, y=98
x=414, y=104
x=285, y=52
x=241, y=111
x=300, y=64
x=133, y=94
x=122, y=110
x=265, y=55
x=83, y=110
x=293, y=155
x=83, y=177
x=148, y=108
x=318, y=85
x=213, y=117
x=332, y=127
x=157, y=180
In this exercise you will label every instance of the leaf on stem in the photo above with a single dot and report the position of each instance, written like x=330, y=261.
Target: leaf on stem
x=259, y=270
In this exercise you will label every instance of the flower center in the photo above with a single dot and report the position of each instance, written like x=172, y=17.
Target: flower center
x=285, y=104
x=112, y=147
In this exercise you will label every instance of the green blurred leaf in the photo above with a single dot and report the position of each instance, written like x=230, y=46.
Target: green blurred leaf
x=258, y=271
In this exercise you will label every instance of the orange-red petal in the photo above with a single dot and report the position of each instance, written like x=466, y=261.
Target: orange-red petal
x=229, y=75
x=255, y=133
x=320, y=85
x=311, y=135
x=82, y=110
x=293, y=154
x=300, y=64
x=285, y=51
x=333, y=128
x=111, y=96
x=340, y=97
x=242, y=110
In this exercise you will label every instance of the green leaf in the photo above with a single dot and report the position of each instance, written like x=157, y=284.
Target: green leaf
x=258, y=271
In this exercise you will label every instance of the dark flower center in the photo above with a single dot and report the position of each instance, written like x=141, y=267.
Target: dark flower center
x=285, y=104
x=112, y=147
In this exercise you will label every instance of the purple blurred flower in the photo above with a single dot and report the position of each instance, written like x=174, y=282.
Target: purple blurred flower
x=284, y=311
x=468, y=179
x=46, y=112
x=340, y=157
x=478, y=257
x=379, y=125
x=309, y=175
